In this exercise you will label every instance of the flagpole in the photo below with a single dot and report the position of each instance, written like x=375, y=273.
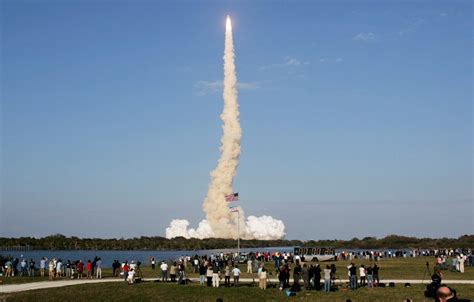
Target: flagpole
x=238, y=233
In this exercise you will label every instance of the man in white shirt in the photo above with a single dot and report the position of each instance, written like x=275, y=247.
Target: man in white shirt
x=164, y=271
x=362, y=275
x=236, y=273
x=249, y=266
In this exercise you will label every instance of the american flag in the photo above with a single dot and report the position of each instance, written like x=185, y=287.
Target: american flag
x=232, y=197
x=234, y=209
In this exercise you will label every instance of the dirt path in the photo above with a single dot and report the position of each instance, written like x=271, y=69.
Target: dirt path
x=12, y=288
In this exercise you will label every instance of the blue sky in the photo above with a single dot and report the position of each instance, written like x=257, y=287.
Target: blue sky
x=356, y=115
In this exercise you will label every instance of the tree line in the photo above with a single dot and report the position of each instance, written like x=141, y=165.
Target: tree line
x=61, y=242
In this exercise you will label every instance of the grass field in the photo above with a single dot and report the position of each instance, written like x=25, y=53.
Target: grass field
x=395, y=268
x=152, y=291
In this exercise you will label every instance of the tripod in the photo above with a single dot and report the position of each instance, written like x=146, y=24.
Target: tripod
x=426, y=273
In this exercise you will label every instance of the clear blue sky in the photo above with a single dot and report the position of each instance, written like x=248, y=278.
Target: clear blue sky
x=356, y=115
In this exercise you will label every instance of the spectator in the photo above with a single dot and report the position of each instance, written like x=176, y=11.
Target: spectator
x=353, y=276
x=327, y=278
x=236, y=274
x=59, y=268
x=263, y=279
x=173, y=269
x=215, y=275
x=375, y=272
x=181, y=271
x=23, y=267
x=202, y=274
x=209, y=273
x=362, y=275
x=89, y=269
x=80, y=269
x=68, y=269
x=43, y=266
x=445, y=294
x=227, y=276
x=369, y=273
x=98, y=269
x=126, y=270
x=130, y=276
x=51, y=270
x=32, y=268
x=164, y=271
x=317, y=277
x=305, y=276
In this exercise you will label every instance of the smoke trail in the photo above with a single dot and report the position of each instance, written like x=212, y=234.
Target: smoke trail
x=219, y=222
x=217, y=213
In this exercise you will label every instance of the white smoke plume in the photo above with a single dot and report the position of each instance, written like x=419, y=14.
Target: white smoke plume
x=220, y=222
x=179, y=228
x=264, y=228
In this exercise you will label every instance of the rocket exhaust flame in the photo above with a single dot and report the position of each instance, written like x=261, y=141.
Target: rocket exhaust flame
x=219, y=221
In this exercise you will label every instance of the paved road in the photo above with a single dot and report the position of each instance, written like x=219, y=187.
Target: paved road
x=12, y=288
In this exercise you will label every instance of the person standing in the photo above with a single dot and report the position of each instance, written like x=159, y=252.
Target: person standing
x=98, y=269
x=80, y=269
x=43, y=266
x=353, y=276
x=305, y=276
x=173, y=269
x=215, y=275
x=296, y=275
x=181, y=271
x=59, y=268
x=227, y=276
x=51, y=270
x=263, y=279
x=202, y=274
x=89, y=269
x=23, y=267
x=68, y=269
x=317, y=277
x=462, y=259
x=32, y=268
x=196, y=264
x=327, y=279
x=362, y=275
x=164, y=271
x=209, y=272
x=375, y=272
x=236, y=273
x=249, y=266
x=333, y=273
x=153, y=263
x=125, y=269
x=369, y=273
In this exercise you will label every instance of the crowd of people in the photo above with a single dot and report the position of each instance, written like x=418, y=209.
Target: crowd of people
x=219, y=269
x=54, y=268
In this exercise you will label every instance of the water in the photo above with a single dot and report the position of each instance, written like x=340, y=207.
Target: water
x=143, y=256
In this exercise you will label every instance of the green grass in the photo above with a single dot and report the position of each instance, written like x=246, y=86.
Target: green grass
x=152, y=291
x=395, y=268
